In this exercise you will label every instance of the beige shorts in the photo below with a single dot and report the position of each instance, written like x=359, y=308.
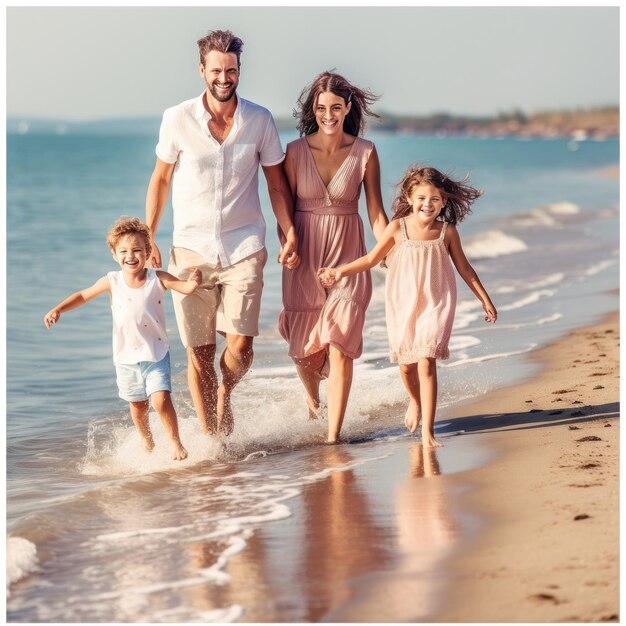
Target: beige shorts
x=227, y=301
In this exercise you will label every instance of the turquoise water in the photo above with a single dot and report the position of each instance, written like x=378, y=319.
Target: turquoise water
x=544, y=240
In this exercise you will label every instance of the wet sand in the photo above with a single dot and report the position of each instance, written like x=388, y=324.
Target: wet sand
x=549, y=547
x=516, y=520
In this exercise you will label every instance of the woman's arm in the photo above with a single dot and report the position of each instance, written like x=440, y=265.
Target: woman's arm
x=467, y=272
x=373, y=196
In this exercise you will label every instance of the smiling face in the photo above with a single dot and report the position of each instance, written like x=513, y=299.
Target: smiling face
x=427, y=202
x=131, y=253
x=221, y=74
x=330, y=112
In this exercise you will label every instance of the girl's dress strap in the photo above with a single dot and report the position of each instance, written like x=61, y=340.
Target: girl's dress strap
x=443, y=231
x=403, y=229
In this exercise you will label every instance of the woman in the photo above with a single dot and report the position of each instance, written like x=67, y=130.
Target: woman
x=326, y=168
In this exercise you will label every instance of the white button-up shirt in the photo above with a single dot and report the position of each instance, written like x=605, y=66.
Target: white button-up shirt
x=215, y=196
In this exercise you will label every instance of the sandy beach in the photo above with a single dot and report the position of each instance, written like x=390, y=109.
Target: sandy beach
x=549, y=551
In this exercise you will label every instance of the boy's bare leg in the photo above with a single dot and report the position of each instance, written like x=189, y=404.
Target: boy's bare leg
x=410, y=379
x=139, y=413
x=162, y=403
x=338, y=390
x=234, y=363
x=202, y=381
x=309, y=371
x=427, y=373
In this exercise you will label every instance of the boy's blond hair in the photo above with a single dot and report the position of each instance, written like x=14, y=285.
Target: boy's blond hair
x=128, y=226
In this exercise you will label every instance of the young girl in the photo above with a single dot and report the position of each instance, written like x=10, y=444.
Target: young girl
x=140, y=342
x=421, y=287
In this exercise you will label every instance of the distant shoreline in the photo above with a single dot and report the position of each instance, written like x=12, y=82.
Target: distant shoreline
x=579, y=125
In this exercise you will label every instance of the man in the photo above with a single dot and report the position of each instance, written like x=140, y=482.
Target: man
x=209, y=153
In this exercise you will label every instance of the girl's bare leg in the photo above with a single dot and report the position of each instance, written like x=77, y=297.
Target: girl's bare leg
x=139, y=413
x=309, y=371
x=339, y=383
x=427, y=373
x=162, y=403
x=408, y=373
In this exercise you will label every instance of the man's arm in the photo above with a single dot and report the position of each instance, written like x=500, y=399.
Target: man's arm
x=282, y=205
x=156, y=198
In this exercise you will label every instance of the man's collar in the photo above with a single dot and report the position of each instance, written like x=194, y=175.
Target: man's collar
x=201, y=112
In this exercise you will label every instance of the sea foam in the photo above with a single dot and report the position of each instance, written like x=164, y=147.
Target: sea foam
x=492, y=244
x=21, y=559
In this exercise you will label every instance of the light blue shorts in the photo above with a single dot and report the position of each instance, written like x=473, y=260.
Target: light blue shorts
x=138, y=381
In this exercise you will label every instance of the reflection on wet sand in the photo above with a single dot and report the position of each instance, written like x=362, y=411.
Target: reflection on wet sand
x=342, y=540
x=425, y=530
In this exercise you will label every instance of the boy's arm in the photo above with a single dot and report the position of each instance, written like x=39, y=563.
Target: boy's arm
x=468, y=274
x=182, y=286
x=77, y=299
x=329, y=276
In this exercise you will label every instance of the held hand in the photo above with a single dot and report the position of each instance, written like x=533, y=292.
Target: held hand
x=328, y=276
x=288, y=254
x=155, y=257
x=491, y=315
x=195, y=278
x=52, y=317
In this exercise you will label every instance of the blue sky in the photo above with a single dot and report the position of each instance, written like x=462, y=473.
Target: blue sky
x=86, y=62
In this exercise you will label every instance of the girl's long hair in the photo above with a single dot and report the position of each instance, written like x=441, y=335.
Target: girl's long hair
x=361, y=99
x=460, y=195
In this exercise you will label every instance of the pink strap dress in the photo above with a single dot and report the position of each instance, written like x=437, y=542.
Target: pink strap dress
x=330, y=233
x=420, y=299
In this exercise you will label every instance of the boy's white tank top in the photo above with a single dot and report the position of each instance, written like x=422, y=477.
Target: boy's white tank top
x=139, y=331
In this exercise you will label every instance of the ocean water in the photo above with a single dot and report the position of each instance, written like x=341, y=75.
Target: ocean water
x=100, y=531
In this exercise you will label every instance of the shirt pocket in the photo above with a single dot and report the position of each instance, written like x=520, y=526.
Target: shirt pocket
x=244, y=156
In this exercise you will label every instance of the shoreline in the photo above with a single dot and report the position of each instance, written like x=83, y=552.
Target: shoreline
x=548, y=550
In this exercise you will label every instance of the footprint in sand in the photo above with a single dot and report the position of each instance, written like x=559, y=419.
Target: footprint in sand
x=589, y=438
x=581, y=516
x=545, y=597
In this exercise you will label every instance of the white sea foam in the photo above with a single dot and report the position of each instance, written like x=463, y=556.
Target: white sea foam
x=21, y=559
x=487, y=357
x=545, y=215
x=531, y=298
x=600, y=267
x=492, y=244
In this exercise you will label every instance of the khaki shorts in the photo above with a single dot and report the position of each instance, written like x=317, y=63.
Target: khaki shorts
x=227, y=301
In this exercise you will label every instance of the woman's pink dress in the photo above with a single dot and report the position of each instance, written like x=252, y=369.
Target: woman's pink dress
x=330, y=233
x=420, y=299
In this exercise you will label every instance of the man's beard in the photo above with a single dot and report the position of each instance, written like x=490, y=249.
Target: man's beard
x=222, y=98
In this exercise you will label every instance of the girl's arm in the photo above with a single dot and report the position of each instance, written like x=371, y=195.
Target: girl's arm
x=329, y=276
x=77, y=299
x=468, y=274
x=182, y=286
x=373, y=196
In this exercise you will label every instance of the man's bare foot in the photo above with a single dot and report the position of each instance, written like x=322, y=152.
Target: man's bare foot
x=429, y=441
x=147, y=441
x=209, y=425
x=178, y=452
x=412, y=416
x=225, y=418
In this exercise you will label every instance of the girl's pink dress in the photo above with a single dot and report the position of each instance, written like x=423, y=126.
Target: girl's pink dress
x=330, y=233
x=420, y=299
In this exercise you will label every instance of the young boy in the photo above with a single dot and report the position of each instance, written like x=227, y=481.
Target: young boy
x=140, y=343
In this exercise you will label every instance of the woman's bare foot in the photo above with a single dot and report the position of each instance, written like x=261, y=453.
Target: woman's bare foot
x=225, y=418
x=178, y=452
x=429, y=441
x=314, y=408
x=412, y=416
